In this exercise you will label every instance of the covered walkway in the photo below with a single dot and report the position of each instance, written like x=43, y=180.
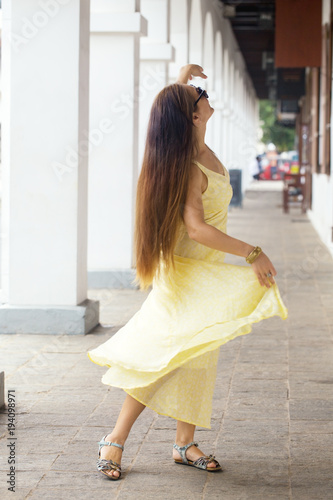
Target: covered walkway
x=272, y=424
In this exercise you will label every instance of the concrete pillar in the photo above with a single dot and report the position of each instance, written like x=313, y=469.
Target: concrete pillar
x=209, y=68
x=218, y=103
x=45, y=75
x=179, y=29
x=231, y=122
x=113, y=169
x=195, y=33
x=225, y=108
x=237, y=146
x=155, y=54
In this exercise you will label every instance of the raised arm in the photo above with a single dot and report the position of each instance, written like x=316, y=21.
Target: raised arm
x=198, y=230
x=187, y=72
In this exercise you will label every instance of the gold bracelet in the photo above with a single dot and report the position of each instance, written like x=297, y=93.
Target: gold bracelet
x=253, y=255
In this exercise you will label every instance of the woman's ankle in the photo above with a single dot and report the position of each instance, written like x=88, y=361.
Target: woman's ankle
x=184, y=441
x=116, y=438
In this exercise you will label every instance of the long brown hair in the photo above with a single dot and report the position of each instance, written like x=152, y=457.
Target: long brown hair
x=163, y=181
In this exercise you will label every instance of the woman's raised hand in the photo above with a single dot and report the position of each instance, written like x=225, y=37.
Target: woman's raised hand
x=189, y=71
x=262, y=267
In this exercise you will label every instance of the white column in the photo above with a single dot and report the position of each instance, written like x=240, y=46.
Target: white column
x=45, y=77
x=195, y=33
x=209, y=68
x=231, y=122
x=113, y=164
x=179, y=28
x=238, y=147
x=218, y=104
x=225, y=109
x=155, y=54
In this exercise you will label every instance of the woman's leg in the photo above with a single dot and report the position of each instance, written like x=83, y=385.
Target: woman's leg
x=129, y=412
x=185, y=435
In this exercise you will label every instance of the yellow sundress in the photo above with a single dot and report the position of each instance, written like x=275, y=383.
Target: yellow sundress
x=166, y=355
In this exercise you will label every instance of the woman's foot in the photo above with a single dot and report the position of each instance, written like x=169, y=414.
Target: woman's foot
x=112, y=453
x=192, y=453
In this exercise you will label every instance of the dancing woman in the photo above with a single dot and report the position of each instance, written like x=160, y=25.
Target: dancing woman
x=165, y=357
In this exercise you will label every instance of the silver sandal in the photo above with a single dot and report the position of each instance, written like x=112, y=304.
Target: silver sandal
x=104, y=465
x=199, y=463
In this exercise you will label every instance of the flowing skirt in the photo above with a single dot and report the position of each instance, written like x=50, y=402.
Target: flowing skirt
x=167, y=353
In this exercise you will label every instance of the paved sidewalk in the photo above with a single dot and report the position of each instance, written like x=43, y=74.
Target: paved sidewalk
x=272, y=419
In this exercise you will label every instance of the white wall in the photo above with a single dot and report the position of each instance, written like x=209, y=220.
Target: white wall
x=321, y=213
x=179, y=37
x=155, y=55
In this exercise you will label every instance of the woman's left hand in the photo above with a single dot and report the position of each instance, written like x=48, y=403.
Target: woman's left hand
x=189, y=71
x=264, y=270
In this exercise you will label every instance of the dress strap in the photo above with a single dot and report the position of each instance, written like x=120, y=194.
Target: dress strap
x=204, y=170
x=211, y=172
x=199, y=165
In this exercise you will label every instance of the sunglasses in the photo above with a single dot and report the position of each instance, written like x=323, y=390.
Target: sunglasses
x=201, y=93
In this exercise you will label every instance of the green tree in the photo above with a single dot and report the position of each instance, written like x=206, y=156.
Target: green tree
x=283, y=137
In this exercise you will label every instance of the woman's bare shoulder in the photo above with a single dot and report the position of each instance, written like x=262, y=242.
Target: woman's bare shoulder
x=198, y=177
